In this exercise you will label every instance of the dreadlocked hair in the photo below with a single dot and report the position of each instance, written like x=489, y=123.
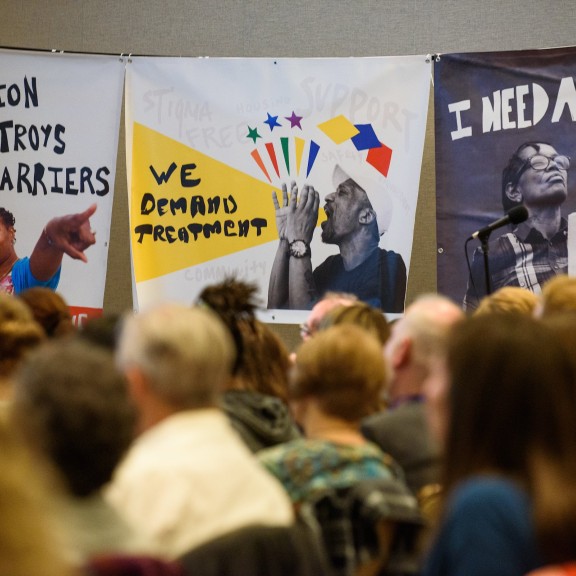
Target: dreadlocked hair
x=235, y=303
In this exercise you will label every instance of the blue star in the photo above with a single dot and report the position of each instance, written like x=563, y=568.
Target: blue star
x=272, y=121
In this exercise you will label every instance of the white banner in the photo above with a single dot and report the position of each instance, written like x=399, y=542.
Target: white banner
x=59, y=126
x=210, y=140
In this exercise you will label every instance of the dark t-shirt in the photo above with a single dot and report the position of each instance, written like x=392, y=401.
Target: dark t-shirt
x=380, y=280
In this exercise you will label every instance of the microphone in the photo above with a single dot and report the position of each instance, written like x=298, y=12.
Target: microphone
x=514, y=216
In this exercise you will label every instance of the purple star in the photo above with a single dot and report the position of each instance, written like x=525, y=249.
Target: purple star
x=272, y=121
x=294, y=120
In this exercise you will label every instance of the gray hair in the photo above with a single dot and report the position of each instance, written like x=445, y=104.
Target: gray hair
x=186, y=354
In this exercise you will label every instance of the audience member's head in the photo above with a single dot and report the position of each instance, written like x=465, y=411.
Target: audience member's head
x=416, y=340
x=328, y=302
x=564, y=327
x=342, y=370
x=19, y=334
x=72, y=404
x=50, y=311
x=30, y=540
x=359, y=314
x=233, y=301
x=514, y=364
x=102, y=331
x=262, y=359
x=175, y=358
x=558, y=295
x=510, y=411
x=267, y=364
x=508, y=300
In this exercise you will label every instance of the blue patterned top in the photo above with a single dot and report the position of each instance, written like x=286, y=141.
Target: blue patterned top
x=308, y=467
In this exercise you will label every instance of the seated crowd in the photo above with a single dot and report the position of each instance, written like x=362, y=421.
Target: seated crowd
x=188, y=440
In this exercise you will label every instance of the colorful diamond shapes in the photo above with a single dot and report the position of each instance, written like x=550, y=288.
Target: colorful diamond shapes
x=339, y=129
x=380, y=158
x=366, y=137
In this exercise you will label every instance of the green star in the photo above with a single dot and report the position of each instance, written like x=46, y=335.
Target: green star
x=253, y=133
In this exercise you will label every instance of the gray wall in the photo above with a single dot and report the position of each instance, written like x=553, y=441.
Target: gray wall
x=284, y=29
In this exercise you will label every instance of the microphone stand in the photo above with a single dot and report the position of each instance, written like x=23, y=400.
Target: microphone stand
x=484, y=245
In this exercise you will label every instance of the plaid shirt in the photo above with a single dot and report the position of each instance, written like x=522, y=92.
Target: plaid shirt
x=521, y=258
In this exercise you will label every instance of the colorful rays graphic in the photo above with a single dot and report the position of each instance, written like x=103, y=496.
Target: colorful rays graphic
x=339, y=129
x=281, y=149
x=298, y=144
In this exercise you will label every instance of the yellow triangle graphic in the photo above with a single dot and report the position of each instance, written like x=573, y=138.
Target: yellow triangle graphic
x=204, y=210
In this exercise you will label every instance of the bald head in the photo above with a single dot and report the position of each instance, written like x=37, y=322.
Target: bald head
x=427, y=322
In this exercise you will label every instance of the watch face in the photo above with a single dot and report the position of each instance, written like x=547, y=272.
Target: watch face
x=299, y=248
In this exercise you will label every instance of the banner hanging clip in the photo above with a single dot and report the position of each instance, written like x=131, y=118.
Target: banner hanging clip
x=432, y=58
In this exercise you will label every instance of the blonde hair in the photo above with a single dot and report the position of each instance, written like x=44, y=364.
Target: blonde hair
x=362, y=315
x=344, y=369
x=508, y=300
x=558, y=295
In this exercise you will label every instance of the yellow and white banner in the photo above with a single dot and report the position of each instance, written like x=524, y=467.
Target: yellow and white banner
x=59, y=126
x=210, y=140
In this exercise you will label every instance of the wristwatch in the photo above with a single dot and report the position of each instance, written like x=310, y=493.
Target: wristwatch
x=299, y=249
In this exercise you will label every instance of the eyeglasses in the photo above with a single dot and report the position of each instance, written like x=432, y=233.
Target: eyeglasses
x=305, y=331
x=541, y=162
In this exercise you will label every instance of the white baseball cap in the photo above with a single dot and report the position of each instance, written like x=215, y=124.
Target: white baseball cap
x=376, y=190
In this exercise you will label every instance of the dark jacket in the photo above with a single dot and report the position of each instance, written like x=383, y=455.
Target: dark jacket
x=261, y=420
x=403, y=433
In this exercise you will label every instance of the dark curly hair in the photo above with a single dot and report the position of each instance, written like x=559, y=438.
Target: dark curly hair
x=234, y=302
x=262, y=360
x=7, y=218
x=50, y=310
